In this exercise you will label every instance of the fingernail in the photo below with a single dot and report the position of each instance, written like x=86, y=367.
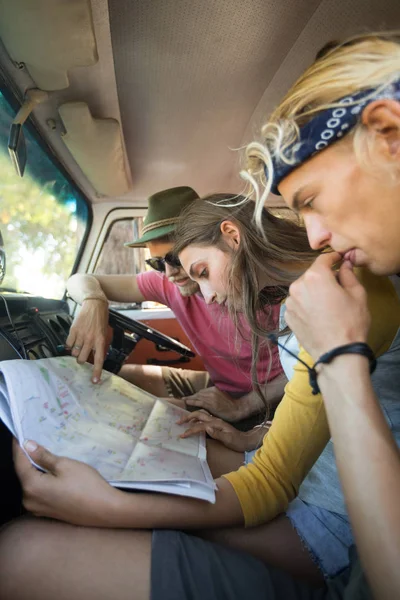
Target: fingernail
x=30, y=446
x=95, y=379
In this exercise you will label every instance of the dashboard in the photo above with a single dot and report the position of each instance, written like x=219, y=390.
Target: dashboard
x=32, y=327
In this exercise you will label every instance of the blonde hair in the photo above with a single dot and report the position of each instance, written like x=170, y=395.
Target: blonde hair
x=359, y=63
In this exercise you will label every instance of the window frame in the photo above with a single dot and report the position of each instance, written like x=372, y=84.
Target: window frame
x=114, y=215
x=30, y=124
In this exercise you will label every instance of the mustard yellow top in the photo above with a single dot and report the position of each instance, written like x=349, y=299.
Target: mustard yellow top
x=300, y=431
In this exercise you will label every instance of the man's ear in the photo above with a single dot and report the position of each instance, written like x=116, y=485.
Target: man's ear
x=383, y=118
x=231, y=233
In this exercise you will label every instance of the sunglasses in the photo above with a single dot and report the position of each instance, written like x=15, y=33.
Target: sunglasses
x=158, y=264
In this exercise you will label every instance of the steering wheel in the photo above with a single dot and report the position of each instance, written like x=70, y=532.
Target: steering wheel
x=128, y=332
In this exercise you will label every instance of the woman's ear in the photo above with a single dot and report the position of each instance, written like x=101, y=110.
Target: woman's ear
x=231, y=233
x=383, y=118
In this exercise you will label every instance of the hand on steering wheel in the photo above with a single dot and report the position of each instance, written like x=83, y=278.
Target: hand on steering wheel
x=89, y=332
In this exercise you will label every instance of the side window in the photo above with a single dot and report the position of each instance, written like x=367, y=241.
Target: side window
x=117, y=259
x=43, y=218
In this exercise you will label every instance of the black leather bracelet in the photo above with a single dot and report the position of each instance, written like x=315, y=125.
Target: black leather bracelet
x=355, y=348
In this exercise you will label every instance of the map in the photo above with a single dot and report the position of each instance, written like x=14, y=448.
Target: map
x=125, y=433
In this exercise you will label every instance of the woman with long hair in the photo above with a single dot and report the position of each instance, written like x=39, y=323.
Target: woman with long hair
x=258, y=270
x=44, y=559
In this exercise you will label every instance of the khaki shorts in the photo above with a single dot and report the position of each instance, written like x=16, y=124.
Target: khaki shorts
x=183, y=382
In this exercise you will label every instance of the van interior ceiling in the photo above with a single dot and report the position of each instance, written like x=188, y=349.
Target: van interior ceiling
x=149, y=95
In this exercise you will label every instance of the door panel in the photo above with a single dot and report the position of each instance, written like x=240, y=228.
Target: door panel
x=146, y=350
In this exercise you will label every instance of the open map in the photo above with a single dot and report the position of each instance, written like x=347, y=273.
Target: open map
x=128, y=435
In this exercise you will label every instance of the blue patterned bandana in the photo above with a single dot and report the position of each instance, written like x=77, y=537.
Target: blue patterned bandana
x=327, y=127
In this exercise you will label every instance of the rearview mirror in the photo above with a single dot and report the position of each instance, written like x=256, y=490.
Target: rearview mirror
x=17, y=148
x=16, y=139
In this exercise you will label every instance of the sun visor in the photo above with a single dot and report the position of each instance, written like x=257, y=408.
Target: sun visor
x=96, y=145
x=50, y=37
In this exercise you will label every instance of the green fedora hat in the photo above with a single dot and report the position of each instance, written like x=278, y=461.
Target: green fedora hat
x=163, y=214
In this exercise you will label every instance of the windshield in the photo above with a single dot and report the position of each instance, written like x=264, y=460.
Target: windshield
x=43, y=218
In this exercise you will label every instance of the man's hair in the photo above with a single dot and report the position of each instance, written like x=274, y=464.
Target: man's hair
x=341, y=69
x=327, y=48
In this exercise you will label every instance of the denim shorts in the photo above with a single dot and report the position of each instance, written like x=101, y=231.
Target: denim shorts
x=326, y=535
